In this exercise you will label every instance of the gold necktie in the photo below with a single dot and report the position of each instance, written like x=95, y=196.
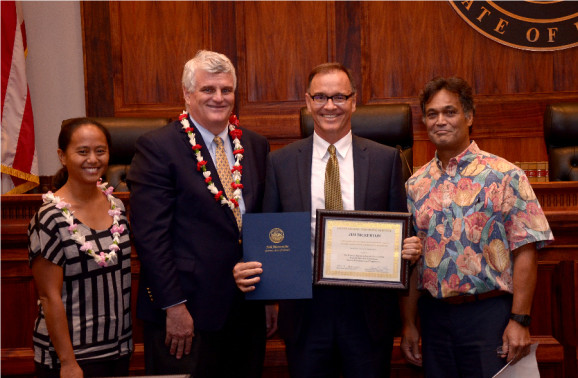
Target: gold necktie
x=333, y=200
x=224, y=171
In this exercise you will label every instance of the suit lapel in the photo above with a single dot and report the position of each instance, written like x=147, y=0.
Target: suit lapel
x=304, y=158
x=360, y=173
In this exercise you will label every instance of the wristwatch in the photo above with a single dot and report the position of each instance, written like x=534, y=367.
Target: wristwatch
x=523, y=320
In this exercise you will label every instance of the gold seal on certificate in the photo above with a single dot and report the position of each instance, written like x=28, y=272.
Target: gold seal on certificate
x=276, y=235
x=361, y=248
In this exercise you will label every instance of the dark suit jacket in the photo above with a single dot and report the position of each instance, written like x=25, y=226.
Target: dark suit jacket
x=378, y=186
x=187, y=242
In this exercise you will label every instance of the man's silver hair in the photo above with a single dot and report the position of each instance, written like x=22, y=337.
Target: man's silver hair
x=209, y=61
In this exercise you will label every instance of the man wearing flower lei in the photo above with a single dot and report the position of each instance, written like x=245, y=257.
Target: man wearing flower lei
x=190, y=181
x=481, y=224
x=344, y=332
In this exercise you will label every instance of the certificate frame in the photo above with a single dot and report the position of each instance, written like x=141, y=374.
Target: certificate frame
x=348, y=249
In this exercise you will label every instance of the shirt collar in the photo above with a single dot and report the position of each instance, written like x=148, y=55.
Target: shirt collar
x=342, y=146
x=472, y=149
x=208, y=136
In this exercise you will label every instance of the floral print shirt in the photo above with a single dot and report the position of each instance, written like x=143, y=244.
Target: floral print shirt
x=471, y=216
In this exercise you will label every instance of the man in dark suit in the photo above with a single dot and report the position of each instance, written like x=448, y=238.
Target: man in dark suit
x=345, y=331
x=185, y=217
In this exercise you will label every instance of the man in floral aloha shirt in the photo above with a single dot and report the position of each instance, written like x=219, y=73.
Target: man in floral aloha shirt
x=481, y=225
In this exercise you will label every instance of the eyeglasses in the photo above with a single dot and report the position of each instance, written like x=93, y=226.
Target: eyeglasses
x=338, y=99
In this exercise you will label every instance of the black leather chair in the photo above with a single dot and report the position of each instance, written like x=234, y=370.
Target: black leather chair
x=124, y=132
x=561, y=136
x=388, y=124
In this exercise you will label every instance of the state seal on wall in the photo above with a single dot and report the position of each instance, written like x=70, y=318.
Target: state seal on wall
x=526, y=25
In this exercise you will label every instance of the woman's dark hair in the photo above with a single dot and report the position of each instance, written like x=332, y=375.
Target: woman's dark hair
x=66, y=131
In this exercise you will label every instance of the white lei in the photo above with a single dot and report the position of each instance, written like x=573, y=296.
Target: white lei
x=236, y=172
x=101, y=258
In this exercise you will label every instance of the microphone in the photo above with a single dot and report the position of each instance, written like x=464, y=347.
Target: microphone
x=404, y=159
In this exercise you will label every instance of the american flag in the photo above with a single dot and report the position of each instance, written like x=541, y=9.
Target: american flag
x=19, y=161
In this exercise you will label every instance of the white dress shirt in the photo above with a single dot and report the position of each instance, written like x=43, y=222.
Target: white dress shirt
x=319, y=160
x=209, y=137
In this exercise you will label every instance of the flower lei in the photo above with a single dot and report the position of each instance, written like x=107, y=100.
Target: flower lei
x=101, y=258
x=237, y=169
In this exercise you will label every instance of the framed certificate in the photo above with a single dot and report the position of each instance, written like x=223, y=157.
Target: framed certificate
x=361, y=248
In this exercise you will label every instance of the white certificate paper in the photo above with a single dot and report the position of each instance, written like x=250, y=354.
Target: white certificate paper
x=363, y=250
x=526, y=367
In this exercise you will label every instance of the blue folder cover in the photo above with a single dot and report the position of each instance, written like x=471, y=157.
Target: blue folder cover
x=282, y=243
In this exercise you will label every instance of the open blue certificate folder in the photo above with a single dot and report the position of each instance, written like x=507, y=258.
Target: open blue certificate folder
x=282, y=243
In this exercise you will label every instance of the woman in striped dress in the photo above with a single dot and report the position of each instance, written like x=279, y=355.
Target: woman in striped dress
x=79, y=251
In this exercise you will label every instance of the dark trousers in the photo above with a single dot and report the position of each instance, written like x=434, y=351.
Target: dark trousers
x=335, y=340
x=460, y=340
x=237, y=350
x=107, y=368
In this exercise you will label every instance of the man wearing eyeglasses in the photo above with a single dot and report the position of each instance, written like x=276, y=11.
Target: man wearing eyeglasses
x=341, y=331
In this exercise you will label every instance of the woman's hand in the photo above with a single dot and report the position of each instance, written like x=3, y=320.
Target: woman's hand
x=71, y=370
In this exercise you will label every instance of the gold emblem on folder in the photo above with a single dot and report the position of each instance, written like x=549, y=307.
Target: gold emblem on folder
x=276, y=235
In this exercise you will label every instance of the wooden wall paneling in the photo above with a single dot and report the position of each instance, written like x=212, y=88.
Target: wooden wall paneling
x=543, y=303
x=97, y=54
x=405, y=44
x=149, y=54
x=348, y=21
x=458, y=38
x=565, y=77
x=565, y=321
x=550, y=354
x=151, y=71
x=17, y=284
x=17, y=287
x=530, y=148
x=383, y=54
x=222, y=30
x=278, y=45
x=503, y=70
x=423, y=152
x=560, y=202
x=149, y=42
x=222, y=34
x=508, y=116
x=289, y=39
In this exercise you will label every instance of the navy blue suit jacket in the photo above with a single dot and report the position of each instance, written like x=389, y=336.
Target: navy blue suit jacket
x=378, y=186
x=187, y=242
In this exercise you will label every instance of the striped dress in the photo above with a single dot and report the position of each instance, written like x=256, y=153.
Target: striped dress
x=96, y=299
